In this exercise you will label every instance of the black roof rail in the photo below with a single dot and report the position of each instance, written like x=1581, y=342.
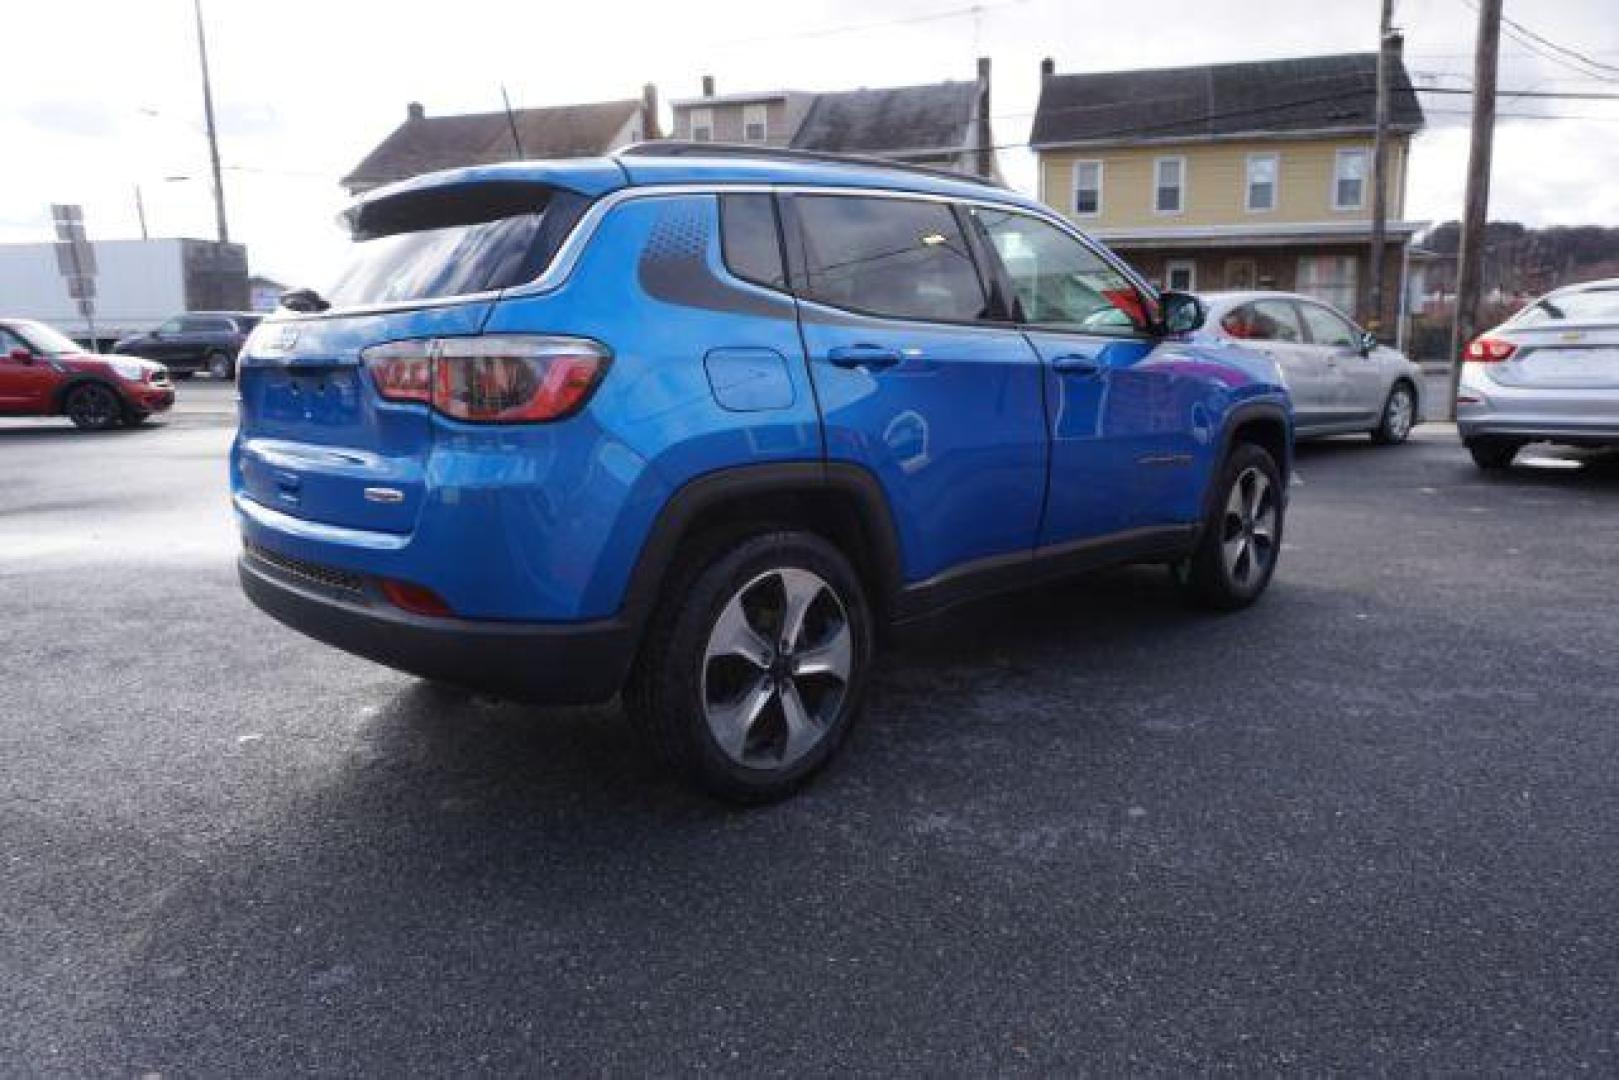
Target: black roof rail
x=675, y=148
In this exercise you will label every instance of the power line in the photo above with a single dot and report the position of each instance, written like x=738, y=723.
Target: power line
x=1528, y=40
x=1581, y=57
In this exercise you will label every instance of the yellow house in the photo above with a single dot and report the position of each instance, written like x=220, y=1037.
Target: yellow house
x=1233, y=176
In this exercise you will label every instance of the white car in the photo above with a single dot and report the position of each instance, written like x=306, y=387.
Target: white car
x=1340, y=378
x=1548, y=374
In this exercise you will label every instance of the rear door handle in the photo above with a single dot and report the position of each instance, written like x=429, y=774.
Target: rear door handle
x=1075, y=364
x=869, y=356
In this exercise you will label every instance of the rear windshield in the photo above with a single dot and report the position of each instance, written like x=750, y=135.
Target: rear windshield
x=452, y=241
x=451, y=261
x=1590, y=306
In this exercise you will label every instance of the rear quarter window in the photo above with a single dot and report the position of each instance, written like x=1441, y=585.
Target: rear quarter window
x=751, y=241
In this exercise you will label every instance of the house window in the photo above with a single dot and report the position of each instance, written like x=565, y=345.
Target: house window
x=1330, y=278
x=1241, y=273
x=702, y=125
x=1169, y=185
x=1262, y=182
x=1180, y=275
x=754, y=126
x=1087, y=188
x=1349, y=180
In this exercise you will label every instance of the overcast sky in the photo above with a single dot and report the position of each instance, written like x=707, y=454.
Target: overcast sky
x=102, y=95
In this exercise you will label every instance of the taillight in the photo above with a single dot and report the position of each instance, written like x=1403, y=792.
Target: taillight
x=1487, y=350
x=493, y=379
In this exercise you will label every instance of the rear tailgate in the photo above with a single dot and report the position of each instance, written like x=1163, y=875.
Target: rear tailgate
x=317, y=441
x=1560, y=358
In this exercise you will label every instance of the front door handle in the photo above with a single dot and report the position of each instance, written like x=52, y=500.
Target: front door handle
x=1075, y=364
x=868, y=356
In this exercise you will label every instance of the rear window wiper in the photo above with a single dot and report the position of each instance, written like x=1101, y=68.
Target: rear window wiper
x=304, y=300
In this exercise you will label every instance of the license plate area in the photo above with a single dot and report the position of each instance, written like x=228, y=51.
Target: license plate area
x=325, y=396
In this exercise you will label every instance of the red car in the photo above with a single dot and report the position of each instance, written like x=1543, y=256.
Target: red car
x=45, y=373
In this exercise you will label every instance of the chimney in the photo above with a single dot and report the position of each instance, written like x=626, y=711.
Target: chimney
x=985, y=164
x=1048, y=68
x=708, y=86
x=649, y=113
x=414, y=111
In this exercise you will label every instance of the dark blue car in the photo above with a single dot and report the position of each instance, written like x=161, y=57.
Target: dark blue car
x=691, y=425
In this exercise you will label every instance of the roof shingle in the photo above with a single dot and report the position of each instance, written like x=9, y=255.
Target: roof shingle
x=901, y=120
x=1314, y=93
x=428, y=143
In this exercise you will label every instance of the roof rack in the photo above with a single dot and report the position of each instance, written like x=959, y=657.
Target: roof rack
x=675, y=148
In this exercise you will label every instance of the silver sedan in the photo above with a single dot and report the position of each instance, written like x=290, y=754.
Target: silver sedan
x=1340, y=378
x=1548, y=374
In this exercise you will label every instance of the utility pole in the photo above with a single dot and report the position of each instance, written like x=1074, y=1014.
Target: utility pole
x=1470, y=259
x=1380, y=163
x=213, y=135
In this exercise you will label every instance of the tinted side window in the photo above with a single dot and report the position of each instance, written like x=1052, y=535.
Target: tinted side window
x=1263, y=320
x=1327, y=327
x=1059, y=281
x=8, y=342
x=889, y=257
x=752, y=245
x=192, y=325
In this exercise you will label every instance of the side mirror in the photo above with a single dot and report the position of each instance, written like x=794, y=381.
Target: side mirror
x=1368, y=342
x=1182, y=312
x=20, y=356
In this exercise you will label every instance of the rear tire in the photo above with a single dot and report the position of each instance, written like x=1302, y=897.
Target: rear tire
x=1399, y=416
x=1493, y=455
x=220, y=366
x=754, y=664
x=1242, y=536
x=93, y=407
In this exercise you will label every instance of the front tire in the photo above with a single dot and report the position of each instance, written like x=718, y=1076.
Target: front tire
x=754, y=665
x=1242, y=537
x=1399, y=416
x=220, y=366
x=93, y=407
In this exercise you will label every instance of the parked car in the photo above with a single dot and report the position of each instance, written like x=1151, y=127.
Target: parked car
x=199, y=341
x=1548, y=374
x=1340, y=378
x=694, y=426
x=46, y=373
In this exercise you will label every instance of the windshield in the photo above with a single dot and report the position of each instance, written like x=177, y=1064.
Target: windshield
x=1590, y=306
x=46, y=341
x=453, y=261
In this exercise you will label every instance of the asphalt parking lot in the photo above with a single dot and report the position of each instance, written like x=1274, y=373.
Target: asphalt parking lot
x=1370, y=825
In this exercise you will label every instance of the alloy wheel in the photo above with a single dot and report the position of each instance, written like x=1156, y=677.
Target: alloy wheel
x=93, y=406
x=1401, y=413
x=777, y=668
x=1248, y=528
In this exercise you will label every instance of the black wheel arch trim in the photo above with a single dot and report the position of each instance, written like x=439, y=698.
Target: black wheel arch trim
x=60, y=394
x=1244, y=413
x=702, y=493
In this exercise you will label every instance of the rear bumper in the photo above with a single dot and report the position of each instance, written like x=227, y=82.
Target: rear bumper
x=1497, y=410
x=548, y=663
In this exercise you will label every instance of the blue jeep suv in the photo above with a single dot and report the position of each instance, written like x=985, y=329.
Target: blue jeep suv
x=694, y=424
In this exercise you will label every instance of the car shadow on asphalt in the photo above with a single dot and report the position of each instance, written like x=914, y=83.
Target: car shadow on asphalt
x=66, y=430
x=456, y=826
